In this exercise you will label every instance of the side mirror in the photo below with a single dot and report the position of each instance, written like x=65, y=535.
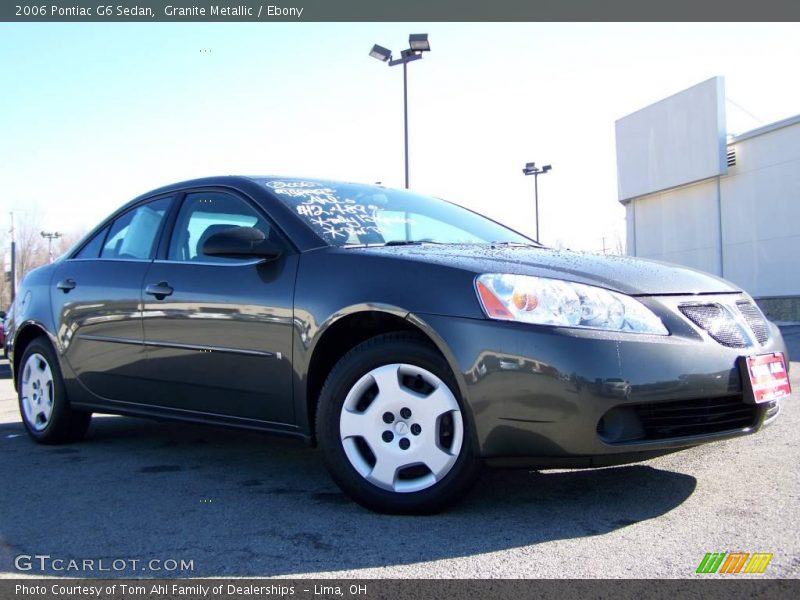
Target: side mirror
x=241, y=242
x=2, y=315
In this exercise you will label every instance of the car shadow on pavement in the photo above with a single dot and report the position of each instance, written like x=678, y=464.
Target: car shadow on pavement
x=251, y=505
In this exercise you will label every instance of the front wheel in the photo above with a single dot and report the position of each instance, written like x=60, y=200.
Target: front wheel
x=43, y=402
x=392, y=429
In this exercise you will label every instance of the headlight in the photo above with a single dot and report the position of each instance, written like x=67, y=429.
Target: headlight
x=544, y=301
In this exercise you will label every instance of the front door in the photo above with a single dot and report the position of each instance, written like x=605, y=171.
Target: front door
x=218, y=331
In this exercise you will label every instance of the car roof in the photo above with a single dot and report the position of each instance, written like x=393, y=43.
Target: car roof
x=239, y=180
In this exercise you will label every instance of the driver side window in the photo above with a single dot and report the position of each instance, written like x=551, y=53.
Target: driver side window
x=204, y=214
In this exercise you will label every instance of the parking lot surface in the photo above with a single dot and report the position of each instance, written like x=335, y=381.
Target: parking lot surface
x=244, y=504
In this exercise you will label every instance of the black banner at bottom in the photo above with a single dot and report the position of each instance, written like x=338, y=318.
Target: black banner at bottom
x=386, y=589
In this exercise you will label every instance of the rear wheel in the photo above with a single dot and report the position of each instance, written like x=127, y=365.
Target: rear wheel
x=392, y=429
x=43, y=402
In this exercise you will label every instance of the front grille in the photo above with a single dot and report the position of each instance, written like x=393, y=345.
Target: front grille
x=724, y=325
x=683, y=418
x=755, y=320
x=717, y=322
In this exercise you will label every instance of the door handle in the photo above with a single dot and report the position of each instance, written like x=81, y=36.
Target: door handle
x=160, y=290
x=66, y=285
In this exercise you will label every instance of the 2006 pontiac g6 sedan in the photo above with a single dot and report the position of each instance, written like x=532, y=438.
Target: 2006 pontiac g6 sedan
x=411, y=339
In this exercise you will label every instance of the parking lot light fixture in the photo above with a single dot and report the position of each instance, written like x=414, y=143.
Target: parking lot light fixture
x=531, y=169
x=381, y=53
x=50, y=236
x=418, y=43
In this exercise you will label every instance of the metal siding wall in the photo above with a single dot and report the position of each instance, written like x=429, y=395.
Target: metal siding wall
x=630, y=228
x=761, y=214
x=676, y=141
x=680, y=226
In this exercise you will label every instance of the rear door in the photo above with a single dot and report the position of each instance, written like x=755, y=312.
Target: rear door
x=97, y=303
x=218, y=331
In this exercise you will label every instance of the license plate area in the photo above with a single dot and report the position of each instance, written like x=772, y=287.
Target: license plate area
x=764, y=378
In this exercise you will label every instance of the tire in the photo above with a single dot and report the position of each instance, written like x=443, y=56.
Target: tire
x=43, y=403
x=393, y=430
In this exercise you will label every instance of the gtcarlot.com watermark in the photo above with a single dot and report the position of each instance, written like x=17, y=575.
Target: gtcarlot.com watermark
x=46, y=563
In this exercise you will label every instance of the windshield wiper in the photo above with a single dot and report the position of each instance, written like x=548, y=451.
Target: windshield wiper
x=421, y=241
x=393, y=243
x=531, y=244
x=403, y=242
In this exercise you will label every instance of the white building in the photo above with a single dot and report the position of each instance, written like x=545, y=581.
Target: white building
x=728, y=205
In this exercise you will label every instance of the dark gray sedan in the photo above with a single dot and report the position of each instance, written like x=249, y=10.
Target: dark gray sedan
x=412, y=339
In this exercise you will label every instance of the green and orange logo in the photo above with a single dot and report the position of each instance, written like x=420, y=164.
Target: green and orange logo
x=730, y=563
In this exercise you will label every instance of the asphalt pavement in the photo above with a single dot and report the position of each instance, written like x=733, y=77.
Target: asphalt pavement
x=245, y=504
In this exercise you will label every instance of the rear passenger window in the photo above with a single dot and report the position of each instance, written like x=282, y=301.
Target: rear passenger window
x=133, y=235
x=92, y=248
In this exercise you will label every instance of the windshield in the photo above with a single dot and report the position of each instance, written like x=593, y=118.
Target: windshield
x=350, y=214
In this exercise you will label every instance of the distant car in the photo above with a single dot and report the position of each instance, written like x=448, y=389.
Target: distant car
x=412, y=339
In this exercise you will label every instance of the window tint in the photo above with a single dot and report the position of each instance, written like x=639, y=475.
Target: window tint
x=202, y=215
x=92, y=248
x=132, y=235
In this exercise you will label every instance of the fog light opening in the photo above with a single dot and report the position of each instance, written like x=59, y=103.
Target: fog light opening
x=620, y=425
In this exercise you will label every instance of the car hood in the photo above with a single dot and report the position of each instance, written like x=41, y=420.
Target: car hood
x=633, y=276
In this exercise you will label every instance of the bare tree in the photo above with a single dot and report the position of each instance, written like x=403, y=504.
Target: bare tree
x=66, y=241
x=613, y=243
x=618, y=246
x=31, y=248
x=560, y=244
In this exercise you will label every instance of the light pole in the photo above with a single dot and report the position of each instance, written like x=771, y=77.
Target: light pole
x=532, y=169
x=418, y=43
x=50, y=236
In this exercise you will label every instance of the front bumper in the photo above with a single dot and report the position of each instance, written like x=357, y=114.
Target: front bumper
x=559, y=397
